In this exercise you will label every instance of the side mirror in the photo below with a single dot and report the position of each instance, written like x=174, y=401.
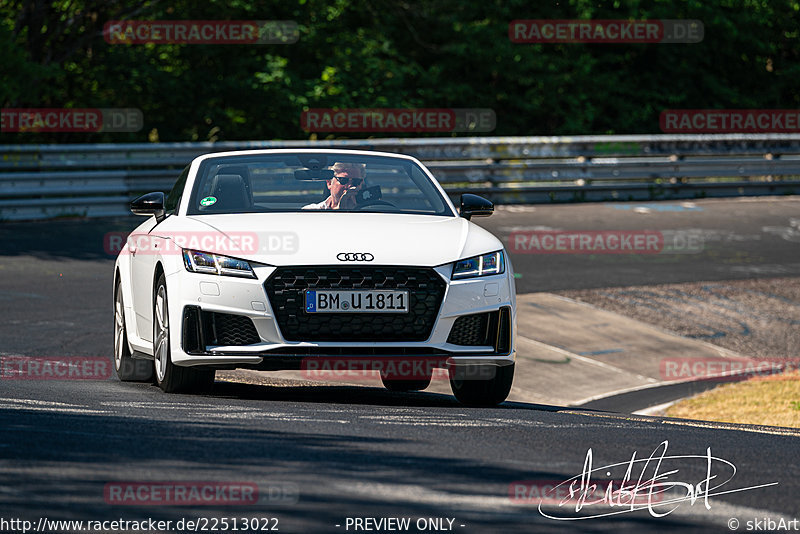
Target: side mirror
x=475, y=206
x=150, y=204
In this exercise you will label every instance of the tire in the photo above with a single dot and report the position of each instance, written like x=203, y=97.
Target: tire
x=128, y=369
x=485, y=392
x=169, y=377
x=393, y=384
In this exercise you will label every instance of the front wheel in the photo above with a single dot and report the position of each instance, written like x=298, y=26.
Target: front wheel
x=172, y=378
x=128, y=369
x=485, y=391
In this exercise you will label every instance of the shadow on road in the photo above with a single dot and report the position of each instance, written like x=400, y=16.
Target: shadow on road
x=356, y=395
x=85, y=239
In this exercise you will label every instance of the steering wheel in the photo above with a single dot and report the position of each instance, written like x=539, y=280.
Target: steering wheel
x=376, y=202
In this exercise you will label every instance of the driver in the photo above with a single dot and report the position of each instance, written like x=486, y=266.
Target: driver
x=347, y=181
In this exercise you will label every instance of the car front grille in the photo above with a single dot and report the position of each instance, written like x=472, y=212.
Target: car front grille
x=286, y=290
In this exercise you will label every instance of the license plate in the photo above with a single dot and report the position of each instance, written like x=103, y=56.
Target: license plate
x=373, y=301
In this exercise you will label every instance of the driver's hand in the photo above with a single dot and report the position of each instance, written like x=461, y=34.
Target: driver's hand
x=348, y=200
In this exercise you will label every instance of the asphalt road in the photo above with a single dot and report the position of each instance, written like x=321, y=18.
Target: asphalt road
x=329, y=453
x=320, y=455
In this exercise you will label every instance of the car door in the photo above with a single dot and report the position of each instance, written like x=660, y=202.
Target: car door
x=141, y=245
x=147, y=245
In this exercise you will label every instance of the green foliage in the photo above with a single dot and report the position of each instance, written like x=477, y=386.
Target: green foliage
x=384, y=53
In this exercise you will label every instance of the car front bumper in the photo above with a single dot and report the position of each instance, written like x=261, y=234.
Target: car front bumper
x=199, y=303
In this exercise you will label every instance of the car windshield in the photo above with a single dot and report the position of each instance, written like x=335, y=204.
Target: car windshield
x=309, y=181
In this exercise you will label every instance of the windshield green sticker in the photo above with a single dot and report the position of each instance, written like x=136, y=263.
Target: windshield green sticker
x=208, y=201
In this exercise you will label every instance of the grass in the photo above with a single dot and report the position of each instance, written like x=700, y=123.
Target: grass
x=772, y=400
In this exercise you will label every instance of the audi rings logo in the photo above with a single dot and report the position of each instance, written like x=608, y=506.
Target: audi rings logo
x=355, y=256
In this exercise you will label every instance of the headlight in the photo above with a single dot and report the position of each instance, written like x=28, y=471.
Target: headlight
x=485, y=265
x=204, y=262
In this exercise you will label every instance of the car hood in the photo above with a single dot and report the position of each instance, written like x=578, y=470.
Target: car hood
x=320, y=238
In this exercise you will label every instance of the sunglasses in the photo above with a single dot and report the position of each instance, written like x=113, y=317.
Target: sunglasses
x=344, y=180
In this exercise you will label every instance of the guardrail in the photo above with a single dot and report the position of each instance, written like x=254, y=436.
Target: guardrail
x=45, y=181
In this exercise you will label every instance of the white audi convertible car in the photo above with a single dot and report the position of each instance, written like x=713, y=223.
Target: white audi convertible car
x=314, y=259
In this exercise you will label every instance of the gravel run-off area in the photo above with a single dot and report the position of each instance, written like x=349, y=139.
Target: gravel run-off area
x=757, y=318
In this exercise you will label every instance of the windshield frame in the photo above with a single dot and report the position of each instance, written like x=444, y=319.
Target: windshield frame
x=424, y=180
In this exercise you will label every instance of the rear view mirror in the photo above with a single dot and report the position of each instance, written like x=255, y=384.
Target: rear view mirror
x=313, y=175
x=314, y=170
